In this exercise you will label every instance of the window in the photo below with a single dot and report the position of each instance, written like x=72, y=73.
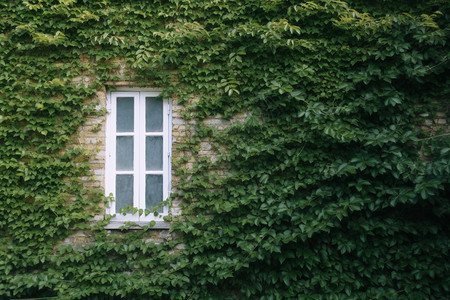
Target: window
x=137, y=153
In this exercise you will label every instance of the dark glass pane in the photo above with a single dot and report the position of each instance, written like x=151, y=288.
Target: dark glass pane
x=124, y=191
x=153, y=191
x=125, y=114
x=153, y=114
x=154, y=153
x=124, y=153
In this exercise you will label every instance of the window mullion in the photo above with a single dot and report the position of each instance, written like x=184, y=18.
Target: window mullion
x=141, y=151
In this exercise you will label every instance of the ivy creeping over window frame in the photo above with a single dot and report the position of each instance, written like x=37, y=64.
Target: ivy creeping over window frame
x=140, y=169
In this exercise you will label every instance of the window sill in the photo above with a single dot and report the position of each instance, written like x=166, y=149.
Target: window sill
x=139, y=225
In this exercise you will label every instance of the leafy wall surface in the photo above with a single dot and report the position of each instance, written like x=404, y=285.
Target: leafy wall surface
x=331, y=188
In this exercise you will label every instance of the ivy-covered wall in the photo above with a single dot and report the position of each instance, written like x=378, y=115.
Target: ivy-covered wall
x=312, y=162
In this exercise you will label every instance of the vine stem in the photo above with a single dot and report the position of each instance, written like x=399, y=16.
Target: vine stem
x=435, y=136
x=34, y=298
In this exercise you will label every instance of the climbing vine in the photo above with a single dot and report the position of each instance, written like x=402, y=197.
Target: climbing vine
x=330, y=187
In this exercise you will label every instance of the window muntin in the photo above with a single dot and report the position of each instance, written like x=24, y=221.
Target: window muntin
x=138, y=150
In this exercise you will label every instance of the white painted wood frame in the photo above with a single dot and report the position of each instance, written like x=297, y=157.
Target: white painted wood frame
x=139, y=171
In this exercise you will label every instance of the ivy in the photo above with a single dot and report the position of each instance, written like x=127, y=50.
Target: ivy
x=326, y=184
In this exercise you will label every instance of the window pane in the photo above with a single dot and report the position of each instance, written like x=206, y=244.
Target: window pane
x=153, y=114
x=153, y=191
x=124, y=153
x=154, y=153
x=124, y=191
x=125, y=114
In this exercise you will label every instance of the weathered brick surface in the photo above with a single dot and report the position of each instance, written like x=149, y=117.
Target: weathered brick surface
x=437, y=122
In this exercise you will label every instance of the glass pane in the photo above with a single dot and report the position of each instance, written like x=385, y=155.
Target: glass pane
x=124, y=191
x=125, y=114
x=153, y=114
x=124, y=153
x=153, y=191
x=154, y=153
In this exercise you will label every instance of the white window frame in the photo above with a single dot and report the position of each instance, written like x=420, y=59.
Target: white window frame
x=139, y=172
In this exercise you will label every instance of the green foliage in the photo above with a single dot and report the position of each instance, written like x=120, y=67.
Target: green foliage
x=328, y=190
